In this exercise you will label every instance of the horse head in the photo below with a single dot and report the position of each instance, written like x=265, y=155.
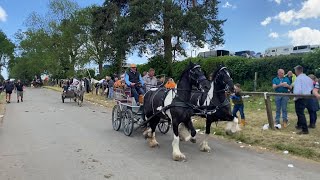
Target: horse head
x=197, y=77
x=222, y=79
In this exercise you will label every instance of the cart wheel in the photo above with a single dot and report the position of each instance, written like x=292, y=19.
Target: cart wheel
x=62, y=98
x=164, y=126
x=116, y=117
x=128, y=122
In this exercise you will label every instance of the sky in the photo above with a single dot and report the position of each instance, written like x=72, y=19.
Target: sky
x=251, y=24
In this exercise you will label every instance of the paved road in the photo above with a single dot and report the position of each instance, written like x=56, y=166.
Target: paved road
x=43, y=139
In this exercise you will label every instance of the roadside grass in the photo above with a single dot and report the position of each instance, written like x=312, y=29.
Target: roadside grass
x=306, y=146
x=2, y=107
x=96, y=99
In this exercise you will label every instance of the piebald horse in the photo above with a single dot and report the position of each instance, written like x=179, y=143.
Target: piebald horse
x=216, y=102
x=174, y=105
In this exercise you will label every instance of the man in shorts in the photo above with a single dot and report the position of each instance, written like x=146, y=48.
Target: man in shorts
x=19, y=89
x=8, y=86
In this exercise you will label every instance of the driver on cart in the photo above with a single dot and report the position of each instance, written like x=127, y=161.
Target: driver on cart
x=65, y=86
x=134, y=80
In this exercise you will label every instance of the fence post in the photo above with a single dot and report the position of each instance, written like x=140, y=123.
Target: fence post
x=255, y=81
x=269, y=110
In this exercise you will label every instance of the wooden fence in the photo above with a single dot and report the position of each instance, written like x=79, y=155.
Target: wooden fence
x=267, y=101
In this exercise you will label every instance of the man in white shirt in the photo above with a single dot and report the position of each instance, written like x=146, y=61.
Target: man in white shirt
x=150, y=80
x=302, y=85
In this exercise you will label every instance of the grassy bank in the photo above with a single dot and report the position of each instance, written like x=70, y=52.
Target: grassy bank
x=2, y=107
x=279, y=140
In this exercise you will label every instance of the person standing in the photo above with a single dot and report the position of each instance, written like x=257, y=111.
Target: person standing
x=238, y=104
x=281, y=84
x=292, y=77
x=110, y=86
x=303, y=85
x=8, y=88
x=313, y=105
x=19, y=89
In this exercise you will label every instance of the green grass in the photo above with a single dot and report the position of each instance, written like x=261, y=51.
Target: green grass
x=284, y=139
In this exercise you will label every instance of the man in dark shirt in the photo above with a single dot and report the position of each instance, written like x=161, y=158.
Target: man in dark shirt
x=134, y=80
x=8, y=86
x=19, y=89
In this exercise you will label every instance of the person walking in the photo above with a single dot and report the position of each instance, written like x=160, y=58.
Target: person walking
x=8, y=86
x=281, y=84
x=19, y=90
x=303, y=85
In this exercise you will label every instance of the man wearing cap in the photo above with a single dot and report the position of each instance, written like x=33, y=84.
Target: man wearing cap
x=303, y=85
x=134, y=80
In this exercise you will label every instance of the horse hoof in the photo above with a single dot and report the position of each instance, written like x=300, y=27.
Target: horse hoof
x=153, y=143
x=193, y=140
x=205, y=148
x=178, y=156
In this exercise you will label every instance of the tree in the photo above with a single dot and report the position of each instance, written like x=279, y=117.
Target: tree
x=6, y=50
x=165, y=26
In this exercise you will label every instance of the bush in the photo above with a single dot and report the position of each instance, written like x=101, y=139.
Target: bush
x=243, y=69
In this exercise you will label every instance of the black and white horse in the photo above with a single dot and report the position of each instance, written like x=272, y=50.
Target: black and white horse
x=174, y=105
x=216, y=101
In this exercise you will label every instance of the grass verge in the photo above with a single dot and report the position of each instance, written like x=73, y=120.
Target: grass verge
x=307, y=146
x=2, y=107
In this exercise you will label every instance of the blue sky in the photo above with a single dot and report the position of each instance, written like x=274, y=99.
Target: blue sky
x=251, y=24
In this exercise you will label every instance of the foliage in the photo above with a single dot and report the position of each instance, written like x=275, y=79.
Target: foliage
x=6, y=49
x=243, y=69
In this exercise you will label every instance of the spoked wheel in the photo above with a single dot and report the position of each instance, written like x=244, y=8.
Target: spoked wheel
x=116, y=117
x=128, y=122
x=164, y=126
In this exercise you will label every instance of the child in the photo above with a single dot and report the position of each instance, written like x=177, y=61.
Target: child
x=238, y=104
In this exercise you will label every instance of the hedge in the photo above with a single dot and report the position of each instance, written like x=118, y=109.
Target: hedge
x=243, y=69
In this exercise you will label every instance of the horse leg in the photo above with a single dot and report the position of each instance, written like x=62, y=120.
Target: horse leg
x=176, y=153
x=193, y=132
x=204, y=147
x=152, y=139
x=184, y=133
x=232, y=127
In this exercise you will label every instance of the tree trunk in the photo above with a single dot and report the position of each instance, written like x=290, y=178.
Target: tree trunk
x=100, y=67
x=167, y=37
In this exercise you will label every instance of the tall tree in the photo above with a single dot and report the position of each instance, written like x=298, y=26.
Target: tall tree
x=6, y=50
x=165, y=26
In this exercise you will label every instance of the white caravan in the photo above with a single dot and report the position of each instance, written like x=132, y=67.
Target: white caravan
x=277, y=51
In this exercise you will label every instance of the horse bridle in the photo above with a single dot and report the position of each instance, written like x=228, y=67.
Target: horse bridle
x=199, y=79
x=224, y=83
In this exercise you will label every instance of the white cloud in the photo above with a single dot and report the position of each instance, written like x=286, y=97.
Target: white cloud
x=266, y=21
x=310, y=9
x=274, y=35
x=304, y=35
x=3, y=15
x=277, y=1
x=229, y=5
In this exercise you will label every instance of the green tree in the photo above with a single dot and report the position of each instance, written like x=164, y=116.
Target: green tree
x=165, y=26
x=6, y=50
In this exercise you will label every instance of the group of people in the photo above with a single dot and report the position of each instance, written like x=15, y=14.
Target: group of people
x=132, y=78
x=299, y=84
x=11, y=86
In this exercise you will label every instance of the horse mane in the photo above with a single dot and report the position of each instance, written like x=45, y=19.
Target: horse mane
x=216, y=72
x=190, y=66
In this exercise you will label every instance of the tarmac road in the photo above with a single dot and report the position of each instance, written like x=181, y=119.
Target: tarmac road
x=44, y=139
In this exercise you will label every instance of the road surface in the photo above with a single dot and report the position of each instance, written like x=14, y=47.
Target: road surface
x=43, y=139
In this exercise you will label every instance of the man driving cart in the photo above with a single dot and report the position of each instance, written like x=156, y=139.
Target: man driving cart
x=134, y=80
